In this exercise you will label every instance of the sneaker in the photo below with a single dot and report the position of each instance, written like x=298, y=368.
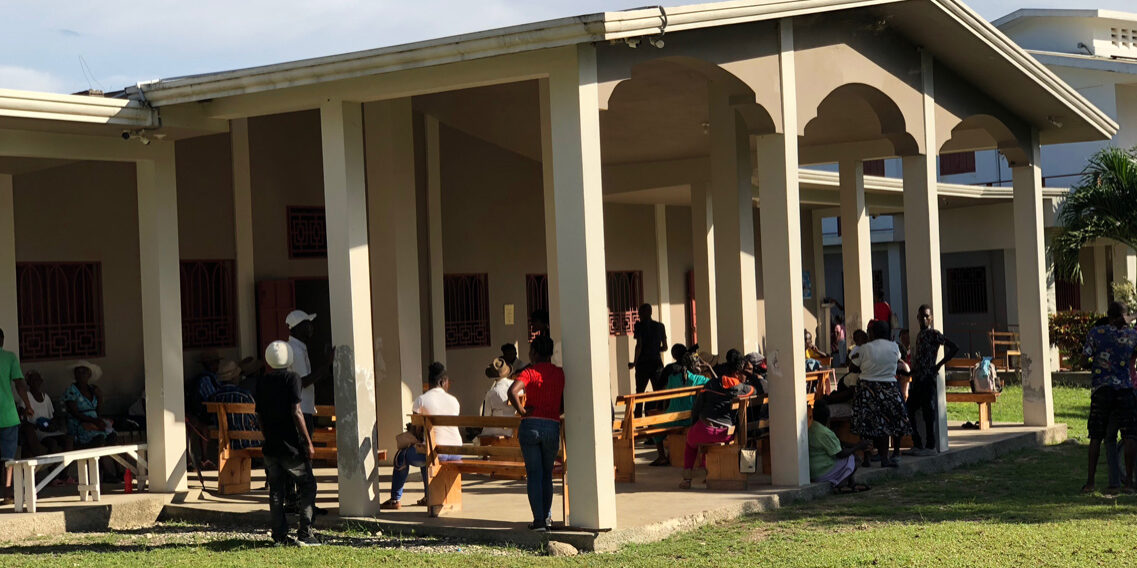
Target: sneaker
x=390, y=505
x=286, y=541
x=538, y=528
x=308, y=541
x=549, y=522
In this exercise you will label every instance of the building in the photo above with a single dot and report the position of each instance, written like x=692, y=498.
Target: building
x=586, y=163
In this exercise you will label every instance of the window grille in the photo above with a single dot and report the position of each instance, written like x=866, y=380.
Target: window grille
x=467, y=310
x=208, y=304
x=625, y=294
x=60, y=310
x=1068, y=296
x=873, y=167
x=966, y=290
x=536, y=298
x=957, y=163
x=307, y=232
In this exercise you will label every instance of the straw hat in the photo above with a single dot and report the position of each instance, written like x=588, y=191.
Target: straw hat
x=499, y=369
x=228, y=371
x=96, y=371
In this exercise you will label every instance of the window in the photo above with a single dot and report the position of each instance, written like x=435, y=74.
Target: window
x=957, y=163
x=1068, y=296
x=874, y=167
x=625, y=294
x=536, y=298
x=467, y=310
x=966, y=290
x=60, y=310
x=307, y=232
x=208, y=304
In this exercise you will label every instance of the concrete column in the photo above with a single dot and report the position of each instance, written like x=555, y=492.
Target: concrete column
x=663, y=274
x=1101, y=280
x=1124, y=264
x=1034, y=332
x=162, y=320
x=733, y=212
x=922, y=232
x=349, y=285
x=706, y=298
x=856, y=247
x=895, y=284
x=781, y=280
x=434, y=222
x=578, y=209
x=9, y=303
x=550, y=217
x=825, y=316
x=243, y=238
x=392, y=216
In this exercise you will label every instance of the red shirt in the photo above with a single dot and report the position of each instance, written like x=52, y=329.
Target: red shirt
x=881, y=311
x=544, y=390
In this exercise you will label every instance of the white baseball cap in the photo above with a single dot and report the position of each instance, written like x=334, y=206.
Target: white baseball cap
x=278, y=355
x=295, y=317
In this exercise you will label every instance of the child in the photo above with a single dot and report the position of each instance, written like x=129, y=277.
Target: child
x=828, y=460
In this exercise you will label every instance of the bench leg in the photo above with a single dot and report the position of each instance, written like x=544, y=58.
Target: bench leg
x=722, y=468
x=984, y=415
x=29, y=488
x=234, y=472
x=94, y=475
x=84, y=480
x=624, y=454
x=676, y=446
x=444, y=492
x=18, y=487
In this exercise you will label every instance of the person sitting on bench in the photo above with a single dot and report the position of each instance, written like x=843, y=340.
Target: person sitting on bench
x=684, y=372
x=828, y=460
x=714, y=412
x=435, y=402
x=496, y=402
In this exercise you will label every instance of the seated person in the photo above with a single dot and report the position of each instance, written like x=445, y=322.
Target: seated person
x=840, y=401
x=829, y=461
x=714, y=412
x=496, y=402
x=84, y=404
x=41, y=432
x=228, y=377
x=811, y=350
x=435, y=402
x=509, y=353
x=684, y=372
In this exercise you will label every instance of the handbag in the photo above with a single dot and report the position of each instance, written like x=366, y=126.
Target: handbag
x=747, y=460
x=405, y=440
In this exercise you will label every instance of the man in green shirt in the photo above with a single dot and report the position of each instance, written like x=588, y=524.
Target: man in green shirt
x=829, y=461
x=10, y=375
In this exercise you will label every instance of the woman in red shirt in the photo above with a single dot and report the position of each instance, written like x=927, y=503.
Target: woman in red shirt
x=540, y=432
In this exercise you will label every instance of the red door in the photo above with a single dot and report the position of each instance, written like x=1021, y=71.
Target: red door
x=275, y=298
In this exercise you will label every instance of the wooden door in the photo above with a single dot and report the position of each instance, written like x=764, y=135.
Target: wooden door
x=275, y=298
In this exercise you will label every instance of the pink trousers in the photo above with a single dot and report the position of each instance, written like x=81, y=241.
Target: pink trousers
x=701, y=433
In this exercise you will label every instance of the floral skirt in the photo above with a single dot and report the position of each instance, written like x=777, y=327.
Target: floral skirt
x=878, y=411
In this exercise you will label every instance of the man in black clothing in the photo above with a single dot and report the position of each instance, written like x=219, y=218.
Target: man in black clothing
x=287, y=445
x=651, y=340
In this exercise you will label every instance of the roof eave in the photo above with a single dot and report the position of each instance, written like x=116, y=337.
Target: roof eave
x=75, y=108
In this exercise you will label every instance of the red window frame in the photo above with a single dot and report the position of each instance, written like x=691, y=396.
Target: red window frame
x=467, y=310
x=60, y=310
x=209, y=304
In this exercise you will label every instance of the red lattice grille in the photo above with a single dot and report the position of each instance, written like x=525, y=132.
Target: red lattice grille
x=208, y=304
x=625, y=294
x=307, y=232
x=60, y=310
x=467, y=308
x=536, y=297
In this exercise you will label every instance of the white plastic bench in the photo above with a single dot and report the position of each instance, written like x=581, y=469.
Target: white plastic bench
x=87, y=461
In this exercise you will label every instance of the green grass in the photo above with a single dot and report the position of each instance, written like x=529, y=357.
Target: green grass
x=1023, y=510
x=1071, y=406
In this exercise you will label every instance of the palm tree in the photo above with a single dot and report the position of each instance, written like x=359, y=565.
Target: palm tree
x=1102, y=205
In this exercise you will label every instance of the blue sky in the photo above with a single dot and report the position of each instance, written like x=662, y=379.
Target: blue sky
x=43, y=45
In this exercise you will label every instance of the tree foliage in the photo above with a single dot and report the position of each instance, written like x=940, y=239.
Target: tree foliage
x=1102, y=205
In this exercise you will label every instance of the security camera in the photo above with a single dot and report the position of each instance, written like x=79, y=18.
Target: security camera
x=139, y=135
x=126, y=135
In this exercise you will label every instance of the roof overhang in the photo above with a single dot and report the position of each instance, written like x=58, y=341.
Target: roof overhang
x=1079, y=61
x=1027, y=13
x=75, y=108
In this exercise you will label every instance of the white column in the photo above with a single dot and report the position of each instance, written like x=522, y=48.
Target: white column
x=434, y=228
x=1101, y=282
x=349, y=285
x=781, y=280
x=922, y=232
x=663, y=273
x=895, y=284
x=703, y=251
x=393, y=217
x=1124, y=264
x=856, y=248
x=825, y=317
x=733, y=212
x=550, y=217
x=243, y=238
x=579, y=214
x=9, y=303
x=162, y=320
x=1034, y=332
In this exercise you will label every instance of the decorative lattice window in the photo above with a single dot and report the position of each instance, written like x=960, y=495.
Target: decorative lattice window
x=966, y=290
x=625, y=294
x=874, y=167
x=536, y=298
x=209, y=301
x=467, y=309
x=307, y=232
x=957, y=163
x=60, y=310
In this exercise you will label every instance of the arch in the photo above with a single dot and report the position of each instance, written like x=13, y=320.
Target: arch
x=984, y=131
x=859, y=113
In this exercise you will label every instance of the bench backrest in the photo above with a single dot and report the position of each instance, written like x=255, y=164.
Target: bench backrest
x=226, y=435
x=432, y=449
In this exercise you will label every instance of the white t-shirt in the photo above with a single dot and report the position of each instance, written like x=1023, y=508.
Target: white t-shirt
x=437, y=402
x=496, y=403
x=40, y=410
x=303, y=367
x=877, y=360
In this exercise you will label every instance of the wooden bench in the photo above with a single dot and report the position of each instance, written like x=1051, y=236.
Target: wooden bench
x=234, y=466
x=630, y=427
x=983, y=399
x=722, y=458
x=444, y=479
x=959, y=365
x=87, y=461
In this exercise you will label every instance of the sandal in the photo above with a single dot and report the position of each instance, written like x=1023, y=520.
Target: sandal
x=421, y=502
x=685, y=484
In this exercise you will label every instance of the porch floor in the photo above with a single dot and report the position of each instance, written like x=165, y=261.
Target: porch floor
x=498, y=510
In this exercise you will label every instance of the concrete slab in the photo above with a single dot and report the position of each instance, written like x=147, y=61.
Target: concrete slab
x=648, y=510
x=60, y=511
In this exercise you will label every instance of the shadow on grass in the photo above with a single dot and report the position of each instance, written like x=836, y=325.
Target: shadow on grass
x=230, y=544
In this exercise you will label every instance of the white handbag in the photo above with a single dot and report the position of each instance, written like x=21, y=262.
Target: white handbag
x=747, y=461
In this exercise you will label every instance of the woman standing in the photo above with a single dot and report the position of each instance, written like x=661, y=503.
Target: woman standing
x=540, y=431
x=878, y=410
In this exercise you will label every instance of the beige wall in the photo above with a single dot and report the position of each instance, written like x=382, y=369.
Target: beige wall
x=680, y=260
x=88, y=211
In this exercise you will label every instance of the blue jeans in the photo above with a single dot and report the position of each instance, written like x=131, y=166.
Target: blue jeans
x=540, y=441
x=404, y=460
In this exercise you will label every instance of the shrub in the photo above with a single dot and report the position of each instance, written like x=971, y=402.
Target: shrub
x=1068, y=332
x=1124, y=293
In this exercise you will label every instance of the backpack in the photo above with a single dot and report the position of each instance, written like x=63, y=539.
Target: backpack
x=984, y=377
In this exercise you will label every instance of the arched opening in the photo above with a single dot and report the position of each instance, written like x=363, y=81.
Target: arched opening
x=983, y=132
x=856, y=114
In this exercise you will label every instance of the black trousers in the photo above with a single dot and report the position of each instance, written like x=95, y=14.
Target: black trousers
x=649, y=372
x=283, y=473
x=922, y=398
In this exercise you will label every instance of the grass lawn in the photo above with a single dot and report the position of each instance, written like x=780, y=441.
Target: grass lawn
x=1023, y=510
x=1071, y=406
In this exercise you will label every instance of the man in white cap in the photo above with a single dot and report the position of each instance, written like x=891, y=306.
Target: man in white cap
x=287, y=445
x=299, y=334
